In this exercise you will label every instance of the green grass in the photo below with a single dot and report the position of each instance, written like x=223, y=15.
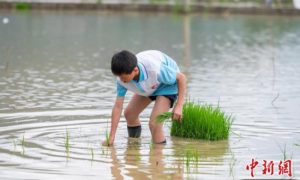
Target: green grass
x=23, y=6
x=158, y=1
x=200, y=122
x=178, y=8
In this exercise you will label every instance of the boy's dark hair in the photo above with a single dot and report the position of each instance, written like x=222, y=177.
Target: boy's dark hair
x=123, y=63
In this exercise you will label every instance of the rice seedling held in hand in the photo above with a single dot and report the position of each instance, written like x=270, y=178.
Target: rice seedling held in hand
x=200, y=122
x=163, y=117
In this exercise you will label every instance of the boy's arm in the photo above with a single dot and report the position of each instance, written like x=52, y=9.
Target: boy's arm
x=115, y=117
x=181, y=83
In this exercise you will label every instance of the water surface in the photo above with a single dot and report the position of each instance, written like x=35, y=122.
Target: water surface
x=55, y=78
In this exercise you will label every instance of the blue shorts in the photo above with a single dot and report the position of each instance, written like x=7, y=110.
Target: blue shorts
x=171, y=97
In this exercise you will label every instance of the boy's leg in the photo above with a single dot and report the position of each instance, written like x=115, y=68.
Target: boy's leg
x=162, y=104
x=136, y=105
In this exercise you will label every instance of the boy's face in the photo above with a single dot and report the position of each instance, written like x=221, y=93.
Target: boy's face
x=128, y=77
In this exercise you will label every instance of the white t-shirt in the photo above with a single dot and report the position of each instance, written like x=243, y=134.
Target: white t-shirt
x=157, y=75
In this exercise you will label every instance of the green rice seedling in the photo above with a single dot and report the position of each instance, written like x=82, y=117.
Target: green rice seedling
x=163, y=117
x=200, y=122
x=107, y=137
x=284, y=153
x=67, y=141
x=23, y=141
x=107, y=134
x=92, y=153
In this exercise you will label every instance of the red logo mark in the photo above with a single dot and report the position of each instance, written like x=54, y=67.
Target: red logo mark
x=154, y=86
x=284, y=167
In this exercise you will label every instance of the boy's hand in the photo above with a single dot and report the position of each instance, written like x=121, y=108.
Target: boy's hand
x=107, y=143
x=177, y=112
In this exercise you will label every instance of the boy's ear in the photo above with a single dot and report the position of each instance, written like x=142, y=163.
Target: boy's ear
x=136, y=69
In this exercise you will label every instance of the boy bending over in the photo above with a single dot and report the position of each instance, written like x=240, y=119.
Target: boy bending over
x=152, y=76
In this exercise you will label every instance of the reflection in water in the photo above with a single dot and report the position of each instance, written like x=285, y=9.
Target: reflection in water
x=140, y=163
x=198, y=156
x=115, y=166
x=208, y=150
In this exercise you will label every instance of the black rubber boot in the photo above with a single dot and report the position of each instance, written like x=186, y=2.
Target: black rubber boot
x=134, y=132
x=163, y=142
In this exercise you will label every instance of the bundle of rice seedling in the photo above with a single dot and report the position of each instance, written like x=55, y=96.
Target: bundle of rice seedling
x=200, y=122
